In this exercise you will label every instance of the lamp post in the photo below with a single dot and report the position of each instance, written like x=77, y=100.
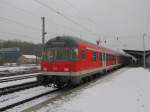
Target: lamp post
x=144, y=34
x=144, y=63
x=43, y=30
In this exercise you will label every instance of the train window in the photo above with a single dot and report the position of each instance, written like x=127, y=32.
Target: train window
x=74, y=54
x=44, y=55
x=101, y=56
x=107, y=56
x=113, y=57
x=116, y=58
x=51, y=54
x=93, y=56
x=62, y=54
x=110, y=57
x=83, y=54
x=104, y=56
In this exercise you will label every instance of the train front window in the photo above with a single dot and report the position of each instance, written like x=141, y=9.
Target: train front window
x=62, y=54
x=44, y=55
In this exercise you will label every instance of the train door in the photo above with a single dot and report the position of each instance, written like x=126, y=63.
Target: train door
x=116, y=59
x=83, y=59
x=104, y=59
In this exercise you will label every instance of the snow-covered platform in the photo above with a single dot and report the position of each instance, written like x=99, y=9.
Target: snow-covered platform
x=126, y=90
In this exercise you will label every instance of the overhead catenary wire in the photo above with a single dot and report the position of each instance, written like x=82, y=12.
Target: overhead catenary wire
x=31, y=27
x=16, y=34
x=55, y=11
x=79, y=11
x=20, y=34
x=35, y=14
x=64, y=16
x=34, y=28
x=27, y=25
x=18, y=8
x=19, y=23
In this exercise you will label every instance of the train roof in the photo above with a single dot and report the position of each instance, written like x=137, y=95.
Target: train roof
x=71, y=41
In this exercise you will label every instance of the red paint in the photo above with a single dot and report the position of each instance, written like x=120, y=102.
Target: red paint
x=80, y=65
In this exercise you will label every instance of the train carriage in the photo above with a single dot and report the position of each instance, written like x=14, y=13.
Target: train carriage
x=68, y=60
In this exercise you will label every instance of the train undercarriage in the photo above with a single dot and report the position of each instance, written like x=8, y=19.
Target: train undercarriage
x=58, y=81
x=69, y=81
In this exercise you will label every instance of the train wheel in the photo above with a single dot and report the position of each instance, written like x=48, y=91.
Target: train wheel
x=61, y=85
x=104, y=71
x=85, y=79
x=75, y=81
x=89, y=78
x=42, y=80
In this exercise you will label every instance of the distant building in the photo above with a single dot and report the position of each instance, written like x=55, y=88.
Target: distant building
x=28, y=59
x=9, y=55
x=10, y=52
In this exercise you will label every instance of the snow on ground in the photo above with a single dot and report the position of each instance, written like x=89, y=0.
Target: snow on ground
x=17, y=82
x=127, y=92
x=22, y=95
x=19, y=76
x=17, y=68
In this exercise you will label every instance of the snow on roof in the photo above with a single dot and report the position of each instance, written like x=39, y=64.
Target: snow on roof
x=30, y=56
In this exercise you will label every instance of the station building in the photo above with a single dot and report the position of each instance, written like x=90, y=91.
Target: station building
x=9, y=54
x=28, y=59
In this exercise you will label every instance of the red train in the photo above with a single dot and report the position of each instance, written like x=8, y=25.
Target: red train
x=69, y=60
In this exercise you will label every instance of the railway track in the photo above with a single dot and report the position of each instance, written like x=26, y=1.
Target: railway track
x=17, y=83
x=55, y=90
x=14, y=78
x=13, y=89
x=10, y=73
x=19, y=87
x=19, y=102
x=25, y=98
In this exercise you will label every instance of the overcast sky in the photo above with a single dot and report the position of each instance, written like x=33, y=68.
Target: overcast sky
x=87, y=19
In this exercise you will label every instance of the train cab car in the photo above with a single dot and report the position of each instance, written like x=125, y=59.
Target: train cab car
x=67, y=60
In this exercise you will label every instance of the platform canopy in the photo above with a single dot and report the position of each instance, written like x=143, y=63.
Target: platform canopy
x=137, y=53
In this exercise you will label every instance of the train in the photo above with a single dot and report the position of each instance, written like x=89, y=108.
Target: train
x=68, y=60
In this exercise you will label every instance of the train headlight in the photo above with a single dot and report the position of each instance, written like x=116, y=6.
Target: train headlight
x=44, y=69
x=66, y=69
